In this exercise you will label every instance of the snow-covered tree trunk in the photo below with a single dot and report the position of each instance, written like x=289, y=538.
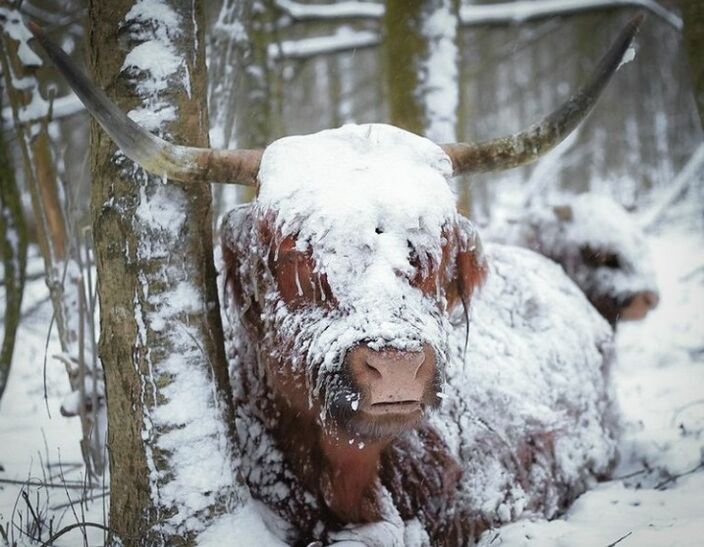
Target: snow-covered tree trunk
x=693, y=16
x=170, y=434
x=422, y=68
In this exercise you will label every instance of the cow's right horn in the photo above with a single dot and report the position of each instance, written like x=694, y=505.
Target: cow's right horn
x=181, y=163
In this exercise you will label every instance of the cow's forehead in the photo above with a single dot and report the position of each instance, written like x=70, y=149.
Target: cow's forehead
x=602, y=222
x=356, y=178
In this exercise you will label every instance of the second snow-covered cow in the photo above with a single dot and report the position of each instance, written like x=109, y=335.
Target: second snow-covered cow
x=599, y=245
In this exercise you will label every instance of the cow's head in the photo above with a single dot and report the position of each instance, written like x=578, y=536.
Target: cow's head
x=601, y=248
x=350, y=262
x=346, y=269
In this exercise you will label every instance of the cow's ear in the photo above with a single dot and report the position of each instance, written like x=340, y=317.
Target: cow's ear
x=470, y=265
x=239, y=270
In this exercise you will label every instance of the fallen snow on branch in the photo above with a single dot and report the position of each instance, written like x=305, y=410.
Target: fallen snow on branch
x=344, y=39
x=60, y=108
x=14, y=27
x=525, y=10
x=338, y=10
x=479, y=14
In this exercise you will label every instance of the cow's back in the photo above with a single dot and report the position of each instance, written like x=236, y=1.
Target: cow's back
x=527, y=410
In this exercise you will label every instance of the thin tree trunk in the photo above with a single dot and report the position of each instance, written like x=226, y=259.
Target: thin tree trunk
x=170, y=416
x=693, y=16
x=13, y=244
x=405, y=48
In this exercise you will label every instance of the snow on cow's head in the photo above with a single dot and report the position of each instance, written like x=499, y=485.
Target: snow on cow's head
x=353, y=247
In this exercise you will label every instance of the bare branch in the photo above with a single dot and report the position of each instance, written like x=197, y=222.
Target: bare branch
x=343, y=40
x=503, y=13
x=339, y=10
x=687, y=176
x=62, y=107
x=517, y=12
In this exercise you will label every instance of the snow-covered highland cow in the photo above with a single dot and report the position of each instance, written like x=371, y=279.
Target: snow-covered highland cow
x=396, y=383
x=599, y=245
x=362, y=399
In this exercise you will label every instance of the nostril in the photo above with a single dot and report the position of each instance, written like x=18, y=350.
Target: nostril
x=373, y=369
x=420, y=359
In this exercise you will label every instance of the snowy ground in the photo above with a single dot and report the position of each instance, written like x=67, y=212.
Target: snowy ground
x=659, y=379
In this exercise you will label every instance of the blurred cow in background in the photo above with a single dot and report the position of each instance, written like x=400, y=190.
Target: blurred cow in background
x=600, y=246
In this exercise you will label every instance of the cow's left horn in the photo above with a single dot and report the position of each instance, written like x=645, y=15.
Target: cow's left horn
x=541, y=137
x=181, y=163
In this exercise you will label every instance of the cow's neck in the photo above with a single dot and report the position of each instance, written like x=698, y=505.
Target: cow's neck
x=344, y=476
x=350, y=480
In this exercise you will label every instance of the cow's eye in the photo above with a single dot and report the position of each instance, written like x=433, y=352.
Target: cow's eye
x=413, y=258
x=299, y=284
x=600, y=258
x=425, y=273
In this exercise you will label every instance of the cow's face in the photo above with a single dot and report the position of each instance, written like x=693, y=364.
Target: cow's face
x=603, y=250
x=347, y=269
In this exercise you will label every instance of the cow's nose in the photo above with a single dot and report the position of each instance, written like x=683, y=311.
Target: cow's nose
x=640, y=305
x=395, y=366
x=651, y=299
x=393, y=380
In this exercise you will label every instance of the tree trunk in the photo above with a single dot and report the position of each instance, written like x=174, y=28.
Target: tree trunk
x=405, y=48
x=13, y=244
x=422, y=65
x=170, y=415
x=693, y=18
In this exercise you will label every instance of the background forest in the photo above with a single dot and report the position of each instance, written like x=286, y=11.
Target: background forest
x=451, y=70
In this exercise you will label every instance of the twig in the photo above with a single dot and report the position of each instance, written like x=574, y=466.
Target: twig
x=684, y=407
x=619, y=540
x=37, y=520
x=46, y=353
x=673, y=478
x=33, y=482
x=73, y=509
x=92, y=497
x=70, y=527
x=683, y=179
x=631, y=475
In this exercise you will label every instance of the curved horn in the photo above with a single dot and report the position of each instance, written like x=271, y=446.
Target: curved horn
x=541, y=137
x=181, y=163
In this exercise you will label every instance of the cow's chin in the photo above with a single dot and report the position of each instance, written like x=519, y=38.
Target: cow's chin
x=368, y=426
x=379, y=423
